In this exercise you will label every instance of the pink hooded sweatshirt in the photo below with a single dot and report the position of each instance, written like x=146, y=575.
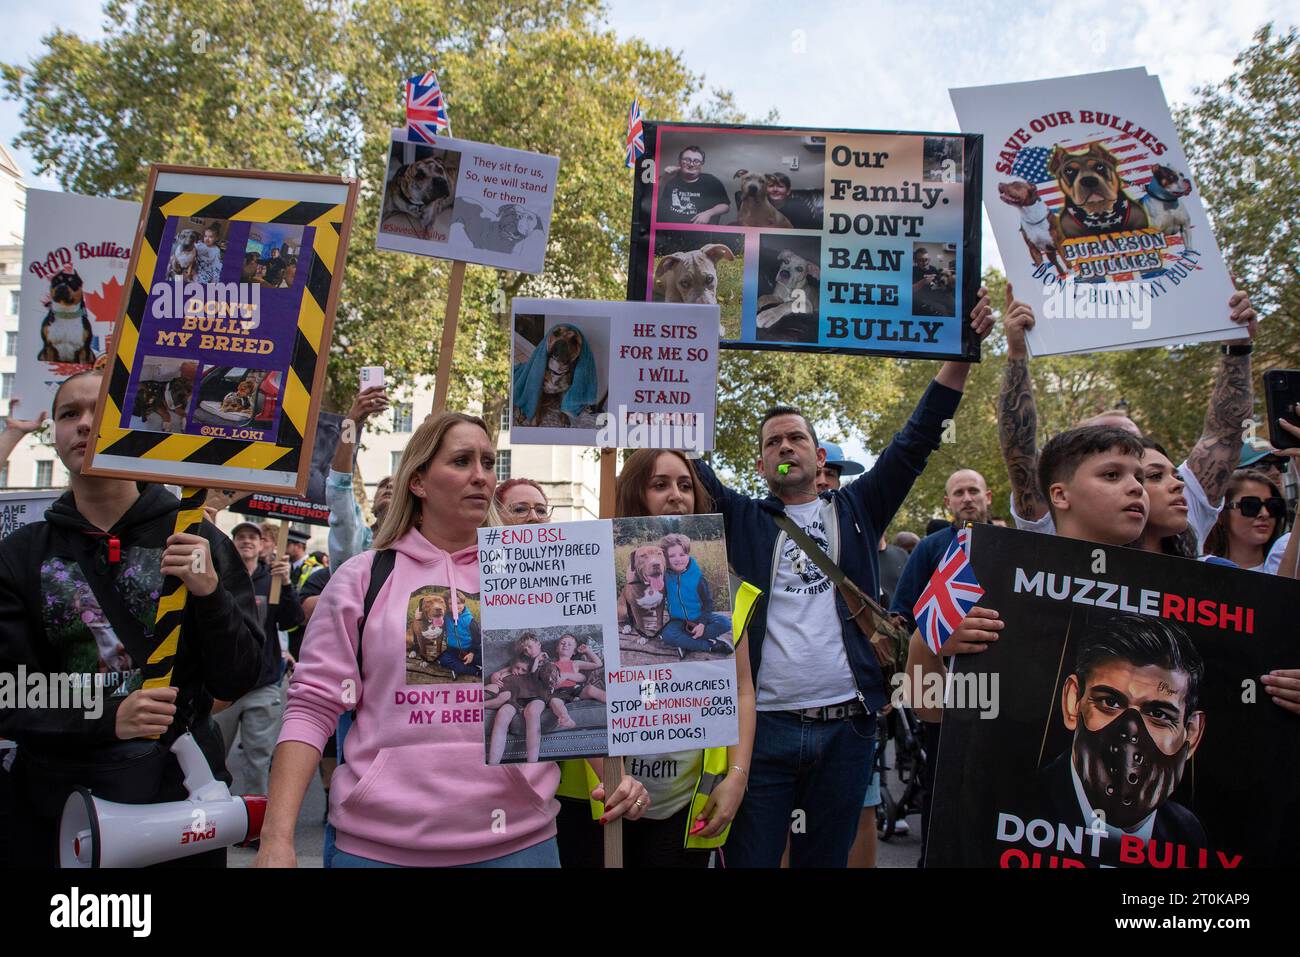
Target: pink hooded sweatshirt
x=415, y=789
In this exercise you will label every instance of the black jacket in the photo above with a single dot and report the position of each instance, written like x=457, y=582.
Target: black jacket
x=287, y=614
x=862, y=510
x=65, y=608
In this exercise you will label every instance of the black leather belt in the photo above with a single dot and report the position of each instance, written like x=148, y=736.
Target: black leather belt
x=831, y=712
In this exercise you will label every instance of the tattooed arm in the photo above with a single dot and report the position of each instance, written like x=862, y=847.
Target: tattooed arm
x=1018, y=416
x=1216, y=454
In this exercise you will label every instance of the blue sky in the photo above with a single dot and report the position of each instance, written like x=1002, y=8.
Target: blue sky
x=879, y=64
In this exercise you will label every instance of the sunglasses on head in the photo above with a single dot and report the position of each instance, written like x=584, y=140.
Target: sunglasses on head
x=1250, y=505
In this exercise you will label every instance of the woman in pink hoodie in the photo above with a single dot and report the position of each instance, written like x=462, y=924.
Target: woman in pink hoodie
x=415, y=790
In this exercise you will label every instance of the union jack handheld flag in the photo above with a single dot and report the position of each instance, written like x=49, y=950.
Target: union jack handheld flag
x=426, y=110
x=635, y=145
x=952, y=592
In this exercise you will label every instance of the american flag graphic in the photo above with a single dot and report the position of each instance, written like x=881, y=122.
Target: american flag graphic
x=952, y=592
x=1135, y=164
x=426, y=109
x=635, y=144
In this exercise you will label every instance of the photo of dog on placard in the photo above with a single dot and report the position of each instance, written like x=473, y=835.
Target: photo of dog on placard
x=702, y=267
x=741, y=178
x=560, y=371
x=544, y=693
x=443, y=641
x=419, y=191
x=66, y=335
x=1093, y=189
x=789, y=289
x=197, y=250
x=162, y=394
x=501, y=229
x=942, y=159
x=674, y=589
x=934, y=279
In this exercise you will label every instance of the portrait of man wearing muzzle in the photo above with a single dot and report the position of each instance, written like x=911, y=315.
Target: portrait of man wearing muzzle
x=1131, y=703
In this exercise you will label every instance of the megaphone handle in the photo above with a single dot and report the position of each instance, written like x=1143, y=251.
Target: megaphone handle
x=194, y=765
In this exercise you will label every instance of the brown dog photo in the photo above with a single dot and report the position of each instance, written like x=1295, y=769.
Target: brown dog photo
x=419, y=191
x=674, y=589
x=1096, y=200
x=702, y=267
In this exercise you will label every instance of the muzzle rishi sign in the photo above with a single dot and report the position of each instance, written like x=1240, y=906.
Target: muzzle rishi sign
x=473, y=202
x=606, y=637
x=1131, y=727
x=813, y=240
x=614, y=374
x=217, y=365
x=1100, y=226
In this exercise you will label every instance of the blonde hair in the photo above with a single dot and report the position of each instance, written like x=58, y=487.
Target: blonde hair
x=403, y=512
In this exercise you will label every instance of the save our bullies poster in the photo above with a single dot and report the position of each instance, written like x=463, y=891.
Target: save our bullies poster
x=813, y=240
x=1099, y=222
x=76, y=250
x=1131, y=728
x=605, y=637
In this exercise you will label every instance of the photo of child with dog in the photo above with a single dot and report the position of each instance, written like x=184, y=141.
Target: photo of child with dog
x=237, y=397
x=198, y=249
x=443, y=640
x=544, y=693
x=702, y=267
x=162, y=394
x=419, y=191
x=789, y=284
x=674, y=589
x=561, y=370
x=934, y=279
x=773, y=180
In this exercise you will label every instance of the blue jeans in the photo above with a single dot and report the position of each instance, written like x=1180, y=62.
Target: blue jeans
x=819, y=768
x=451, y=658
x=676, y=633
x=545, y=854
x=328, y=851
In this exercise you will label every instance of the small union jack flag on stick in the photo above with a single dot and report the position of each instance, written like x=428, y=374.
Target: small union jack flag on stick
x=951, y=594
x=426, y=109
x=635, y=145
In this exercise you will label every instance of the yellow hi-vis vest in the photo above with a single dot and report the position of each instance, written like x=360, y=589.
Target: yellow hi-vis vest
x=578, y=779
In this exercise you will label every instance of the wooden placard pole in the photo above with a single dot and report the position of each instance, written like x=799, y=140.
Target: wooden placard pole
x=443, y=381
x=281, y=546
x=613, y=765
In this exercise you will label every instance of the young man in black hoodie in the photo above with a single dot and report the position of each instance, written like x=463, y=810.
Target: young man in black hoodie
x=78, y=596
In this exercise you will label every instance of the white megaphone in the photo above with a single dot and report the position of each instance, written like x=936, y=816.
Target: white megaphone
x=98, y=833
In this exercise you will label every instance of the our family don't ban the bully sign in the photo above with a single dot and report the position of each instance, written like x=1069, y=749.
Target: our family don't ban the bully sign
x=218, y=359
x=813, y=240
x=605, y=638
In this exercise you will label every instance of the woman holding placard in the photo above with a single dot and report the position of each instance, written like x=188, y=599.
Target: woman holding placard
x=684, y=821
x=415, y=790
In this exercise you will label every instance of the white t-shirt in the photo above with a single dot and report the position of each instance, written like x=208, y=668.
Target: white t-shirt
x=669, y=779
x=804, y=662
x=1274, y=561
x=1201, y=515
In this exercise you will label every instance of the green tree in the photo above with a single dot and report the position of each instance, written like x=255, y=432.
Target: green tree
x=1240, y=138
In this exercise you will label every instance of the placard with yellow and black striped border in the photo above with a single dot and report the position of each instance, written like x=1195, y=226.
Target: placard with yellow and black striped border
x=217, y=364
